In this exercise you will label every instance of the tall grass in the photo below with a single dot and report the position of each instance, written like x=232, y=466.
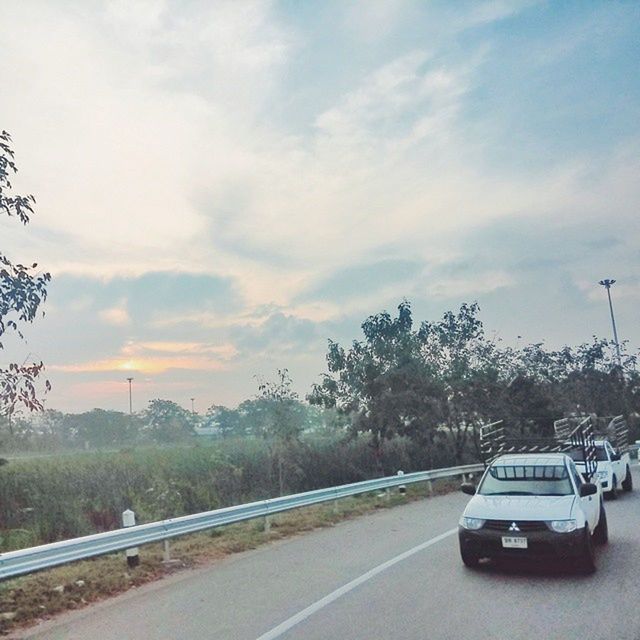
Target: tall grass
x=53, y=498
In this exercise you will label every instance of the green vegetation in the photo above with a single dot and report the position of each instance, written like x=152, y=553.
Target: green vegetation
x=53, y=498
x=438, y=382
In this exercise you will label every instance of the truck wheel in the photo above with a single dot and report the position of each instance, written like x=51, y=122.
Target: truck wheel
x=613, y=494
x=627, y=483
x=470, y=560
x=587, y=559
x=601, y=532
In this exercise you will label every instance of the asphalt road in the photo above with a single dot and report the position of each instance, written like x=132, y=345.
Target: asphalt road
x=394, y=574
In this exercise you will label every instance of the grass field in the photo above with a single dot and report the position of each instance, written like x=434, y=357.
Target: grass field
x=54, y=498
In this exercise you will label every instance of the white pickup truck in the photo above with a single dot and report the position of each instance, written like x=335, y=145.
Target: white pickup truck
x=533, y=505
x=612, y=470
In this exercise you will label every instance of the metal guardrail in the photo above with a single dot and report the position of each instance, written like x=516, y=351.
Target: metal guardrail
x=23, y=561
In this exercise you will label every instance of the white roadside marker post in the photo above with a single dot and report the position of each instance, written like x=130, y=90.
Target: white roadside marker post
x=402, y=488
x=129, y=520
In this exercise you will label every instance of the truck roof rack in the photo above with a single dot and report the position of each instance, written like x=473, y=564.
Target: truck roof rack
x=495, y=442
x=616, y=431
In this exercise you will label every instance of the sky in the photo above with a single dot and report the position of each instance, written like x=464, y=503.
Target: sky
x=224, y=186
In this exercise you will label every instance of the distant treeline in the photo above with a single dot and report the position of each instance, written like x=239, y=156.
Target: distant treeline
x=164, y=422
x=434, y=383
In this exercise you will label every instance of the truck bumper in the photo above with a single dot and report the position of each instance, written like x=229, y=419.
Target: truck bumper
x=540, y=544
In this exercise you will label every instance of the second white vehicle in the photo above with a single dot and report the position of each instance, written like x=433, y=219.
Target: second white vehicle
x=612, y=470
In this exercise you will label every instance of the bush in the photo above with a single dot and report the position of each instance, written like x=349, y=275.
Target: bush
x=54, y=498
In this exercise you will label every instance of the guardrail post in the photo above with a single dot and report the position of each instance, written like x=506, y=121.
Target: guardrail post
x=129, y=520
x=166, y=551
x=402, y=488
x=267, y=524
x=430, y=487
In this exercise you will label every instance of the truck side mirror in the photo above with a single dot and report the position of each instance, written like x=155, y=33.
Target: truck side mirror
x=468, y=488
x=588, y=489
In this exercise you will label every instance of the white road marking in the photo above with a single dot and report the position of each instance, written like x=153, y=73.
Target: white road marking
x=276, y=632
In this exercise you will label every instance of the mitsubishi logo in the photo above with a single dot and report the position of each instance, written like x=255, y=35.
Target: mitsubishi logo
x=514, y=527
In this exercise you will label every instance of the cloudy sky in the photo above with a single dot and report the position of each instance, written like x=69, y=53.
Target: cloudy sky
x=222, y=186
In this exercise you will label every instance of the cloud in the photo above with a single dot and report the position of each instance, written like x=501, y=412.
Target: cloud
x=361, y=279
x=158, y=357
x=222, y=186
x=117, y=316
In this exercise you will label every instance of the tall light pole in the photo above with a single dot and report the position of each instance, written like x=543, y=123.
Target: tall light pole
x=607, y=285
x=130, y=380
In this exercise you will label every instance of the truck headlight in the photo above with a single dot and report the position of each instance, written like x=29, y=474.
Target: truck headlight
x=473, y=524
x=563, y=526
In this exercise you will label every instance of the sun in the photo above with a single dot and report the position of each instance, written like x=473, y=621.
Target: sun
x=128, y=365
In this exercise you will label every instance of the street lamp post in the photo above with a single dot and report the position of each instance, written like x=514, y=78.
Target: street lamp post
x=607, y=283
x=130, y=380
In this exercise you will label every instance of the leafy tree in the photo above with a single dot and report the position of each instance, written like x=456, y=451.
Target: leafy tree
x=469, y=371
x=585, y=379
x=254, y=415
x=166, y=421
x=438, y=383
x=285, y=413
x=283, y=418
x=383, y=383
x=100, y=428
x=22, y=291
x=227, y=421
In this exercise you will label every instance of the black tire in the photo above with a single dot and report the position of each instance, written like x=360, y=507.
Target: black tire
x=613, y=494
x=601, y=532
x=627, y=483
x=470, y=560
x=587, y=559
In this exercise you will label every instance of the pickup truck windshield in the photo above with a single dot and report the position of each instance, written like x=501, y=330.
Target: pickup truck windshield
x=577, y=455
x=526, y=480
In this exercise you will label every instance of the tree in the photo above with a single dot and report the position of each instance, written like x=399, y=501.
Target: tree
x=285, y=412
x=437, y=384
x=283, y=420
x=167, y=421
x=585, y=379
x=100, y=428
x=228, y=422
x=22, y=291
x=384, y=383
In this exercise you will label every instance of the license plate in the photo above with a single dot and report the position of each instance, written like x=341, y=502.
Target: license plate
x=509, y=542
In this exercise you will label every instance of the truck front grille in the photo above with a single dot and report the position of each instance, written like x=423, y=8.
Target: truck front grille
x=523, y=525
